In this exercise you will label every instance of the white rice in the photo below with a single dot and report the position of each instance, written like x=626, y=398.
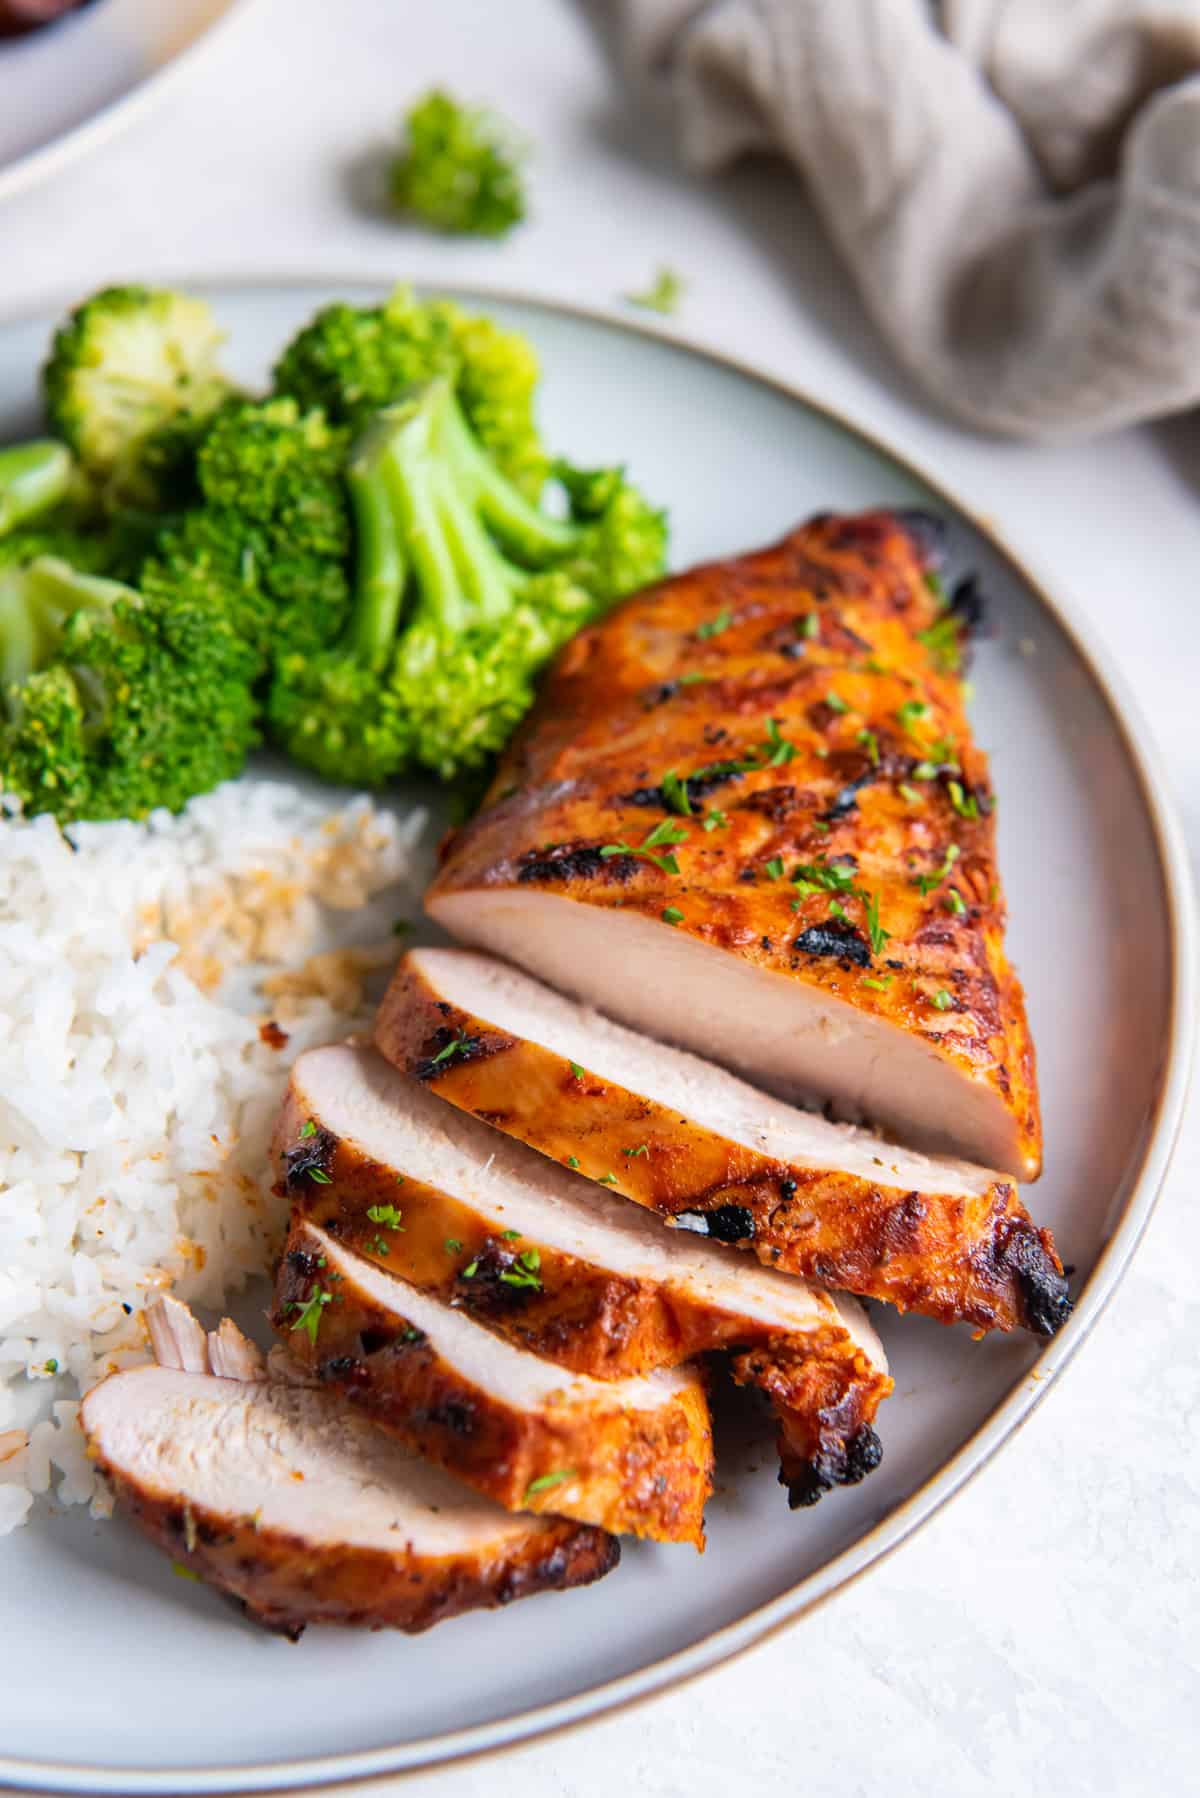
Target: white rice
x=137, y=965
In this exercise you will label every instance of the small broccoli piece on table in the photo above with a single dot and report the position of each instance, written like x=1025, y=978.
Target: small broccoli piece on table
x=131, y=380
x=353, y=360
x=459, y=169
x=463, y=589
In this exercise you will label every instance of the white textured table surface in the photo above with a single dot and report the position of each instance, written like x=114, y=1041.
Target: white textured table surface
x=1043, y=1633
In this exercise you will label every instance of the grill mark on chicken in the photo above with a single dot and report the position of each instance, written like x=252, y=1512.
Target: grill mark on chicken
x=566, y=862
x=845, y=942
x=308, y=1158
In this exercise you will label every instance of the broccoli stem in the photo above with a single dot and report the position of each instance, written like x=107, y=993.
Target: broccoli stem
x=34, y=477
x=380, y=567
x=522, y=528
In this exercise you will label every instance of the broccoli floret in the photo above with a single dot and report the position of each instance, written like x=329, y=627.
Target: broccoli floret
x=117, y=701
x=463, y=589
x=459, y=169
x=353, y=360
x=131, y=380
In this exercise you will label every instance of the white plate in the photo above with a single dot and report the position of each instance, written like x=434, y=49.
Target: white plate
x=120, y=1678
x=65, y=87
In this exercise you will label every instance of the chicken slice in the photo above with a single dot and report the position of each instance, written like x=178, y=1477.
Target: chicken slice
x=297, y=1505
x=747, y=817
x=706, y=1151
x=560, y=1267
x=633, y=1456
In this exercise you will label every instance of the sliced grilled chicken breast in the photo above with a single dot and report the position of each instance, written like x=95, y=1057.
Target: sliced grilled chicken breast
x=290, y=1500
x=570, y=1272
x=747, y=816
x=633, y=1456
x=703, y=1149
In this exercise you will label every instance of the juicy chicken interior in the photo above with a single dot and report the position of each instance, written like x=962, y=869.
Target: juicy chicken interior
x=633, y=1455
x=564, y=1269
x=288, y=1499
x=747, y=816
x=704, y=1150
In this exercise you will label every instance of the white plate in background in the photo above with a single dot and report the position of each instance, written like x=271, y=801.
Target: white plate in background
x=121, y=1679
x=66, y=86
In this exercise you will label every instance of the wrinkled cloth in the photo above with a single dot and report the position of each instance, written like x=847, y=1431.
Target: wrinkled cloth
x=1014, y=184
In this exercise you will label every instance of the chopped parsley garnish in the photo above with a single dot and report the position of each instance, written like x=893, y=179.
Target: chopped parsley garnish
x=672, y=915
x=911, y=712
x=828, y=877
x=878, y=935
x=642, y=1149
x=546, y=1481
x=608, y=1180
x=941, y=640
x=387, y=1215
x=712, y=627
x=909, y=793
x=377, y=1245
x=954, y=903
x=880, y=985
x=664, y=832
x=809, y=626
x=310, y=1128
x=690, y=679
x=837, y=910
x=675, y=792
x=452, y=1245
x=941, y=1000
x=873, y=665
x=184, y=1572
x=925, y=771
x=572, y=1161
x=836, y=703
x=936, y=585
x=576, y=1070
x=775, y=867
x=780, y=751
x=524, y=1271
x=320, y=1176
x=51, y=1365
x=309, y=1319
x=456, y=1046
x=512, y=1236
x=945, y=752
x=870, y=743
x=663, y=295
x=716, y=820
x=965, y=804
x=470, y=1270
x=925, y=883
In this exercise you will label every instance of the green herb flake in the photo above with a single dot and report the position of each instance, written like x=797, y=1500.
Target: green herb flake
x=309, y=1319
x=458, y=1045
x=716, y=820
x=870, y=743
x=512, y=1236
x=775, y=867
x=524, y=1271
x=642, y=1149
x=878, y=935
x=663, y=832
x=925, y=883
x=572, y=1161
x=387, y=1215
x=936, y=585
x=941, y=1000
x=908, y=793
x=942, y=642
x=779, y=750
x=873, y=665
x=51, y=1365
x=675, y=792
x=837, y=909
x=911, y=712
x=809, y=626
x=663, y=295
x=470, y=1270
x=878, y=984
x=966, y=805
x=320, y=1176
x=545, y=1482
x=608, y=1180
x=823, y=877
x=672, y=915
x=836, y=703
x=954, y=903
x=310, y=1128
x=690, y=679
x=177, y=1567
x=713, y=627
x=576, y=1070
x=452, y=1245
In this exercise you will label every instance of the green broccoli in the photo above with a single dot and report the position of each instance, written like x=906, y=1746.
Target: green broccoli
x=131, y=380
x=34, y=479
x=463, y=589
x=353, y=360
x=459, y=169
x=117, y=701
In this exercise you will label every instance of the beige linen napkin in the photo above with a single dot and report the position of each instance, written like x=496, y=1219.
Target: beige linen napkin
x=1015, y=184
